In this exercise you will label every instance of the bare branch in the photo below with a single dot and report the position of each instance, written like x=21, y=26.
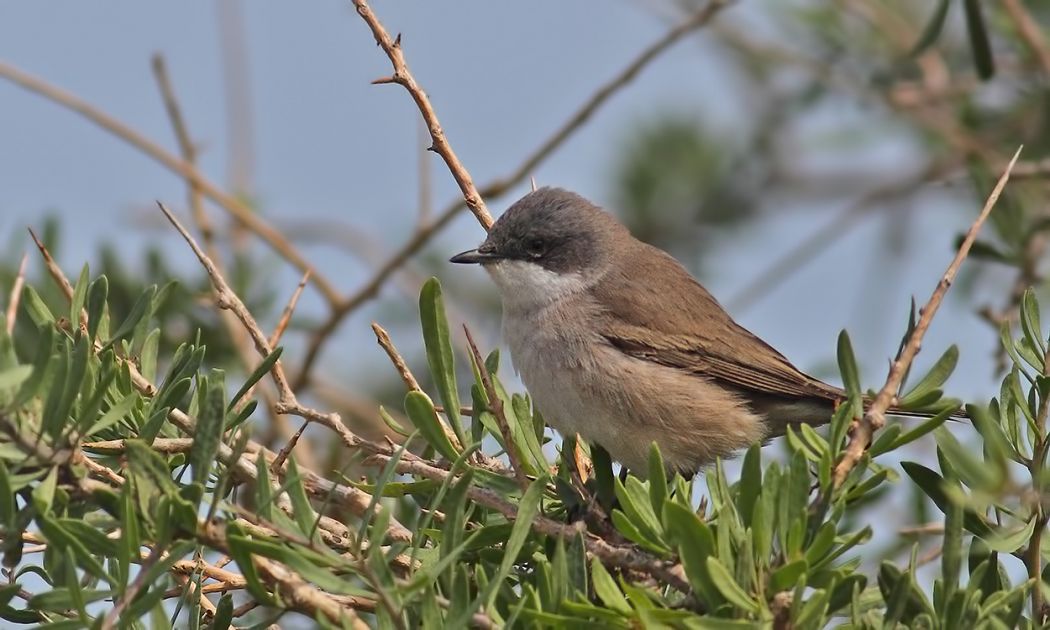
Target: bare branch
x=1030, y=31
x=875, y=417
x=383, y=337
x=286, y=314
x=403, y=76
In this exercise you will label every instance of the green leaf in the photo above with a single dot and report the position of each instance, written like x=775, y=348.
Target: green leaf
x=603, y=476
x=439, y=350
x=979, y=44
x=257, y=374
x=1030, y=325
x=936, y=377
x=61, y=538
x=8, y=507
x=657, y=479
x=420, y=410
x=36, y=308
x=727, y=585
x=926, y=426
x=787, y=575
x=148, y=355
x=933, y=28
x=634, y=501
x=972, y=470
x=96, y=305
x=114, y=414
x=1005, y=541
x=223, y=613
x=750, y=484
x=141, y=308
x=211, y=417
x=44, y=494
x=528, y=508
x=696, y=543
x=933, y=485
x=848, y=366
x=606, y=589
x=241, y=552
x=76, y=303
x=301, y=509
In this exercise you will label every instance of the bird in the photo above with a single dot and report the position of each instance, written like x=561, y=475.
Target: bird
x=615, y=341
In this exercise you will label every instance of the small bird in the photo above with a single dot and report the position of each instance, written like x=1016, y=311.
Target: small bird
x=616, y=341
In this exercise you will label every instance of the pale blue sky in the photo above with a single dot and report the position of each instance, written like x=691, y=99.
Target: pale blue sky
x=502, y=77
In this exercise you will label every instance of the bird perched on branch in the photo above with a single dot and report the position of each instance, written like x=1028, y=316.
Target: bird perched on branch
x=616, y=341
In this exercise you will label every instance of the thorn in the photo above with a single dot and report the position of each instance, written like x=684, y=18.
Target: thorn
x=384, y=80
x=432, y=148
x=533, y=180
x=397, y=41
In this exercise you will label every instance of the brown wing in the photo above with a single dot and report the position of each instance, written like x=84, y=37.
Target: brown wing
x=659, y=313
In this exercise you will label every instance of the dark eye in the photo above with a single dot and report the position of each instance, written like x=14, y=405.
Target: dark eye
x=535, y=246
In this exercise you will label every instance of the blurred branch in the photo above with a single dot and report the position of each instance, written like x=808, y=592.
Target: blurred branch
x=237, y=96
x=874, y=418
x=809, y=248
x=238, y=338
x=498, y=186
x=15, y=296
x=1030, y=31
x=289, y=308
x=240, y=211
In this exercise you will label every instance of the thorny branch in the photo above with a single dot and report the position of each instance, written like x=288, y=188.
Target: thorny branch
x=499, y=186
x=875, y=417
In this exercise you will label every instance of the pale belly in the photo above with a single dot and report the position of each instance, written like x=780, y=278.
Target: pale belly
x=584, y=386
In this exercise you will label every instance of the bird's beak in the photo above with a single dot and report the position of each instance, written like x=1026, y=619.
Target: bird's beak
x=474, y=257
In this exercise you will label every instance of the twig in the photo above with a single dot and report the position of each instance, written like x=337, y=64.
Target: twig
x=500, y=185
x=286, y=314
x=111, y=618
x=874, y=418
x=188, y=151
x=413, y=385
x=186, y=583
x=624, y=557
x=52, y=266
x=238, y=209
x=237, y=97
x=402, y=76
x=286, y=450
x=15, y=296
x=395, y=357
x=1030, y=31
x=496, y=405
x=426, y=180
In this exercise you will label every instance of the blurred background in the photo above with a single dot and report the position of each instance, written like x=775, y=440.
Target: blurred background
x=814, y=164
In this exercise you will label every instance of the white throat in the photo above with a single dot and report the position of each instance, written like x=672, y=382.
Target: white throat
x=526, y=286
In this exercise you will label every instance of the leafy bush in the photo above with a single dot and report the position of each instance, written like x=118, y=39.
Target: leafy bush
x=133, y=490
